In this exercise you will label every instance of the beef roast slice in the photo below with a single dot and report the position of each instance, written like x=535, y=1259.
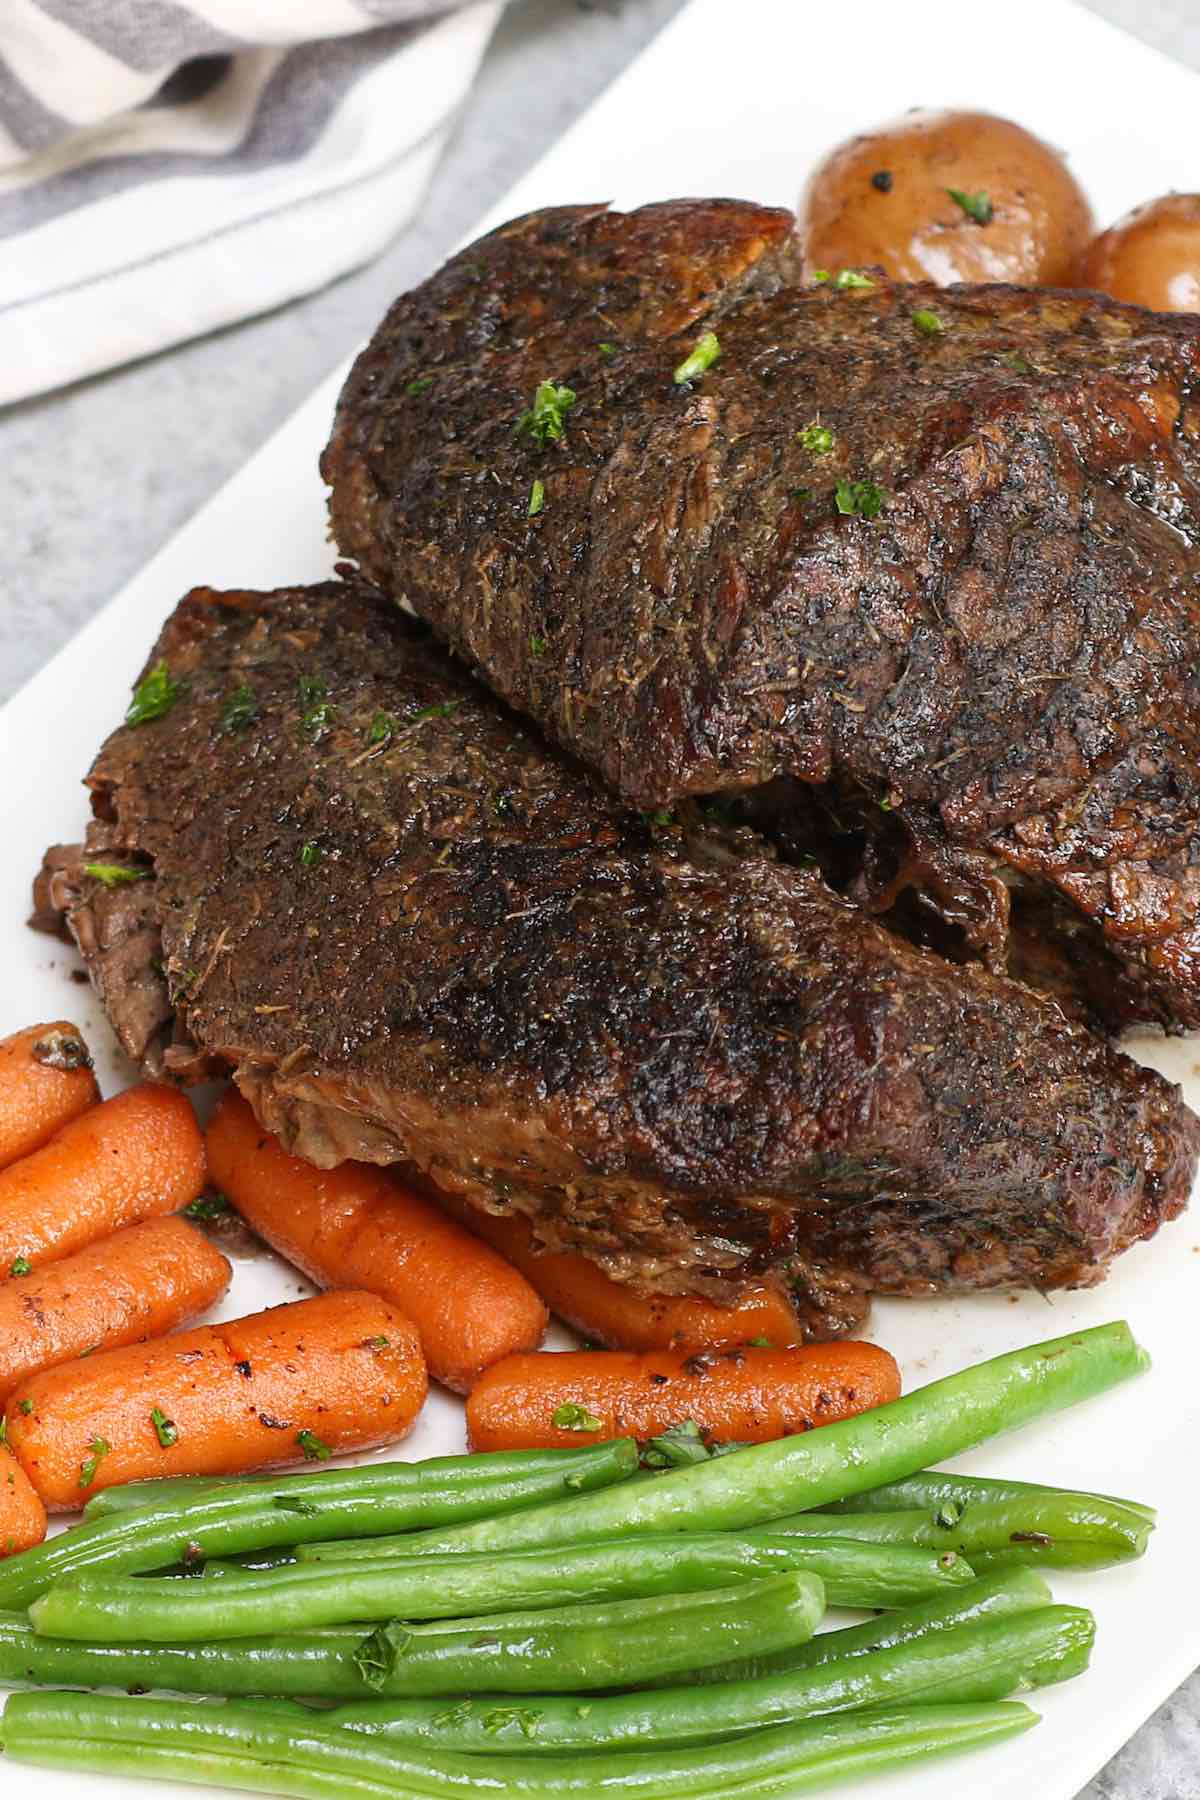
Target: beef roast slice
x=1005, y=651
x=414, y=932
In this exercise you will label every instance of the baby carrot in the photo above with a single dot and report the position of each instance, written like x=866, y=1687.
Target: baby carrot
x=356, y=1226
x=45, y=1081
x=22, y=1515
x=137, y=1156
x=616, y=1315
x=137, y=1284
x=739, y=1396
x=294, y=1384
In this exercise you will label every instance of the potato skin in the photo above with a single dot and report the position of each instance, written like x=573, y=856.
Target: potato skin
x=1151, y=257
x=881, y=200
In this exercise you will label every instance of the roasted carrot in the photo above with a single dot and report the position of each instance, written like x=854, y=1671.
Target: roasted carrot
x=357, y=1226
x=137, y=1156
x=141, y=1282
x=614, y=1314
x=45, y=1081
x=294, y=1384
x=22, y=1515
x=734, y=1396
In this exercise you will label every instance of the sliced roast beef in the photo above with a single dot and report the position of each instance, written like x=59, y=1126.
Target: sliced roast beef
x=938, y=548
x=413, y=931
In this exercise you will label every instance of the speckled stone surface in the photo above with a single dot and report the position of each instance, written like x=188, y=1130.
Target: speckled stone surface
x=97, y=476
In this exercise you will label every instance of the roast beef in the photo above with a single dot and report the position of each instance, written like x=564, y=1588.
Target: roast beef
x=935, y=550
x=414, y=932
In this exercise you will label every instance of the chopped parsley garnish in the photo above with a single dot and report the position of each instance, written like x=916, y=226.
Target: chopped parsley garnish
x=607, y=349
x=312, y=1446
x=545, y=421
x=859, y=499
x=114, y=874
x=166, y=1429
x=927, y=323
x=820, y=275
x=442, y=711
x=852, y=278
x=1017, y=362
x=384, y=725
x=293, y=1503
x=420, y=384
x=208, y=1206
x=87, y=1469
x=676, y=1447
x=817, y=439
x=703, y=357
x=537, y=498
x=317, y=711
x=25, y=1407
x=21, y=1265
x=664, y=816
x=976, y=206
x=153, y=697
x=948, y=1514
x=572, y=1416
x=375, y=1657
x=376, y=1343
x=759, y=1343
x=537, y=645
x=522, y=1716
x=239, y=710
x=310, y=854
x=3, y=1429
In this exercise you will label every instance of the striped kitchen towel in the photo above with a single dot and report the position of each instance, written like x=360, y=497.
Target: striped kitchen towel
x=170, y=166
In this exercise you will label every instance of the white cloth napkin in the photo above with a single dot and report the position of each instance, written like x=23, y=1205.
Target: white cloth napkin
x=168, y=168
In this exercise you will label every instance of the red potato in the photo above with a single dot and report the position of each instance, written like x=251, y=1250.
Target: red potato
x=616, y=1315
x=141, y=1282
x=1151, y=257
x=734, y=1396
x=357, y=1226
x=22, y=1515
x=297, y=1383
x=46, y=1080
x=134, y=1157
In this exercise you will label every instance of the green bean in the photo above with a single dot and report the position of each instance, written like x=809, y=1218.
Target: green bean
x=999, y=1595
x=178, y=1491
x=570, y=1648
x=930, y=1489
x=792, y=1474
x=984, y=1661
x=288, y=1509
x=1082, y=1555
x=248, y=1747
x=232, y=1601
x=1059, y=1528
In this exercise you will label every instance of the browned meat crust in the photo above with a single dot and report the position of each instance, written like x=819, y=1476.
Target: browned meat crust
x=414, y=932
x=1007, y=651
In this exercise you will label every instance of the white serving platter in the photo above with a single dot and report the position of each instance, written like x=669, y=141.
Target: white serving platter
x=740, y=99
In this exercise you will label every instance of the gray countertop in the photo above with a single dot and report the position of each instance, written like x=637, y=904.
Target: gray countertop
x=97, y=476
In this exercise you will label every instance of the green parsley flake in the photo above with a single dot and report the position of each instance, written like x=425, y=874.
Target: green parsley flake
x=820, y=275
x=312, y=1446
x=293, y=1503
x=377, y=1655
x=759, y=1343
x=859, y=499
x=948, y=1514
x=25, y=1407
x=927, y=323
x=703, y=357
x=852, y=278
x=317, y=711
x=419, y=385
x=571, y=1416
x=443, y=711
x=87, y=1469
x=240, y=709
x=166, y=1429
x=537, y=645
x=817, y=439
x=545, y=421
x=208, y=1206
x=525, y=1718
x=384, y=725
x=676, y=1447
x=310, y=854
x=1017, y=363
x=607, y=350
x=537, y=498
x=976, y=206
x=664, y=817
x=114, y=874
x=21, y=1265
x=153, y=697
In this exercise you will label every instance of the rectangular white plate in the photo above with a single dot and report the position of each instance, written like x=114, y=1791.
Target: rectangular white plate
x=740, y=100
